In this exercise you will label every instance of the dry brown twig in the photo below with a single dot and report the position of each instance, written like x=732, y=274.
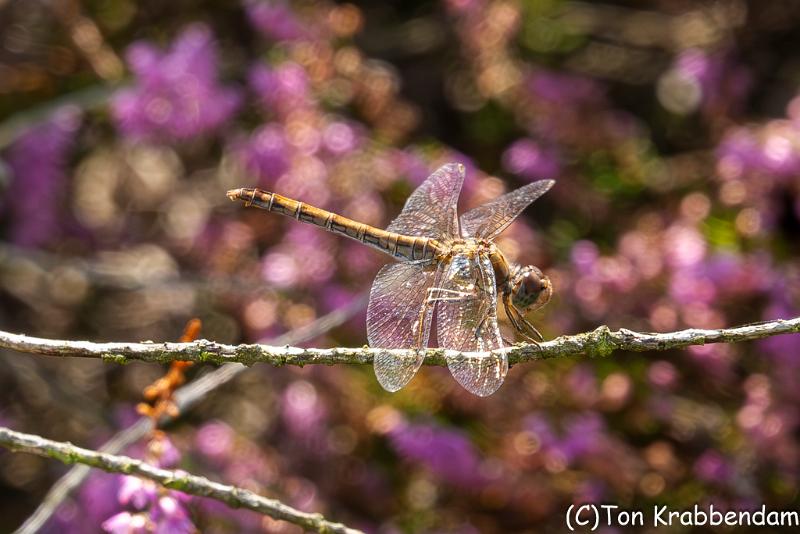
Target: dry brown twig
x=161, y=392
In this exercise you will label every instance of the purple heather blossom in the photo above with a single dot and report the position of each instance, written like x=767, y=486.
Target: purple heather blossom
x=591, y=491
x=772, y=150
x=684, y=246
x=691, y=285
x=710, y=79
x=780, y=148
x=301, y=408
x=410, y=165
x=581, y=383
x=166, y=511
x=584, y=256
x=335, y=297
x=447, y=453
x=785, y=350
x=564, y=89
x=308, y=180
x=171, y=517
x=738, y=153
x=361, y=260
x=540, y=427
x=215, y=440
x=281, y=89
x=662, y=374
x=723, y=274
x=176, y=94
x=693, y=80
x=136, y=492
x=157, y=510
x=37, y=161
x=529, y=159
x=616, y=272
x=340, y=137
x=711, y=466
x=97, y=500
x=304, y=258
x=714, y=360
x=126, y=523
x=734, y=274
x=265, y=153
x=275, y=20
x=165, y=452
x=582, y=435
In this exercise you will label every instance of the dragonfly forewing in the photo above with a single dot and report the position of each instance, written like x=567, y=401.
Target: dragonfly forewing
x=398, y=317
x=431, y=210
x=467, y=321
x=489, y=220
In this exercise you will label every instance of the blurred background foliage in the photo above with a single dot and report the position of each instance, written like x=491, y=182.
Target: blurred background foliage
x=671, y=127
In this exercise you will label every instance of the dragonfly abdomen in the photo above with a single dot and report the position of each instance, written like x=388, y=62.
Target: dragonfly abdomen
x=400, y=246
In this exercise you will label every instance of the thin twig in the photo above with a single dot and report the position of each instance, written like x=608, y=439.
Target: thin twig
x=178, y=480
x=186, y=397
x=88, y=98
x=103, y=271
x=599, y=342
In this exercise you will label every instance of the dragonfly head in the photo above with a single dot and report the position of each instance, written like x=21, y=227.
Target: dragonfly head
x=530, y=289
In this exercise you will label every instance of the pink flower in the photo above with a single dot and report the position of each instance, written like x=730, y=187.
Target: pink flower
x=176, y=94
x=171, y=517
x=281, y=89
x=137, y=492
x=274, y=20
x=215, y=439
x=530, y=160
x=126, y=523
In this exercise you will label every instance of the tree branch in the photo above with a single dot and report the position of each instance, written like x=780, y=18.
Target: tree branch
x=599, y=342
x=177, y=480
x=186, y=397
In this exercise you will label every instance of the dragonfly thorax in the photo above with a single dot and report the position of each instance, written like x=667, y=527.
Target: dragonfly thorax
x=460, y=250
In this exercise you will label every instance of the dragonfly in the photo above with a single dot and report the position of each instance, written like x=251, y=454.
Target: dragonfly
x=448, y=267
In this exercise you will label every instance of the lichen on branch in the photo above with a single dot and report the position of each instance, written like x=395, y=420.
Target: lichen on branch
x=601, y=341
x=173, y=479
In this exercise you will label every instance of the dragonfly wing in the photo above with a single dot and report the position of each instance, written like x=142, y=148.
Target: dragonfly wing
x=430, y=211
x=466, y=300
x=397, y=304
x=490, y=219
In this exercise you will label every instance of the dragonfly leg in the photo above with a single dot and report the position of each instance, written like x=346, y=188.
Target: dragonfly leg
x=531, y=328
x=479, y=329
x=426, y=304
x=448, y=295
x=453, y=296
x=520, y=323
x=421, y=321
x=418, y=262
x=510, y=312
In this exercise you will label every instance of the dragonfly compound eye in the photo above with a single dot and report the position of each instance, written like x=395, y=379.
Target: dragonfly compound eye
x=531, y=289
